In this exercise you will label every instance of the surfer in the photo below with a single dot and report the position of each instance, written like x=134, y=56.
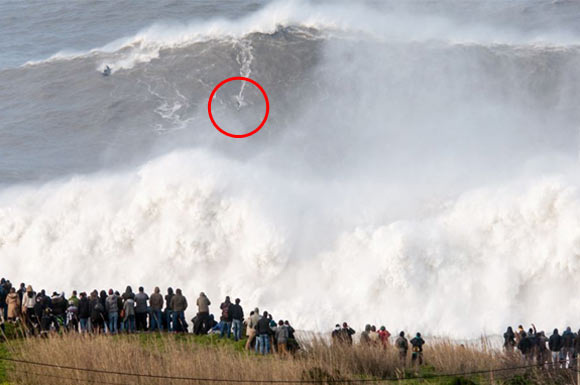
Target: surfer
x=107, y=71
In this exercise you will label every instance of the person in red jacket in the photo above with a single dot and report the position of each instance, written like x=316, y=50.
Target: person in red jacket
x=384, y=337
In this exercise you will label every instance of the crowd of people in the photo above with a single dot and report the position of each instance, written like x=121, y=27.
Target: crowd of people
x=371, y=336
x=111, y=312
x=558, y=350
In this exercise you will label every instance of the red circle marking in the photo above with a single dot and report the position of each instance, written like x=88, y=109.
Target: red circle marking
x=211, y=96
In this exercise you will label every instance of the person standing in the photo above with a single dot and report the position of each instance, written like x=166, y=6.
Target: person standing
x=568, y=346
x=84, y=312
x=74, y=300
x=237, y=315
x=202, y=318
x=263, y=331
x=346, y=334
x=417, y=355
x=226, y=318
x=97, y=313
x=178, y=306
x=365, y=336
x=282, y=336
x=403, y=346
x=384, y=336
x=22, y=291
x=141, y=309
x=3, y=295
x=13, y=305
x=129, y=313
x=509, y=340
x=156, y=303
x=251, y=327
x=168, y=312
x=111, y=305
x=555, y=345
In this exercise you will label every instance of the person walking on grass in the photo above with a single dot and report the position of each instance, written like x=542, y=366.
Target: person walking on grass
x=403, y=347
x=417, y=355
x=141, y=309
x=112, y=308
x=237, y=315
x=178, y=306
x=263, y=332
x=156, y=303
x=226, y=318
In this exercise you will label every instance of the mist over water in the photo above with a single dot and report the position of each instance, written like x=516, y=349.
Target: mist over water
x=419, y=168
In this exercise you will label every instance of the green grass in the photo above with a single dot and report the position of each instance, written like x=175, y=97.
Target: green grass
x=3, y=364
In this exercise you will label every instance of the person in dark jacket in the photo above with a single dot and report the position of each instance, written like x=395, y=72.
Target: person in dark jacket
x=178, y=307
x=226, y=318
x=3, y=295
x=509, y=340
x=59, y=305
x=128, y=294
x=525, y=346
x=103, y=300
x=263, y=333
x=237, y=315
x=346, y=334
x=84, y=312
x=47, y=321
x=141, y=309
x=568, y=346
x=555, y=345
x=97, y=312
x=417, y=349
x=168, y=312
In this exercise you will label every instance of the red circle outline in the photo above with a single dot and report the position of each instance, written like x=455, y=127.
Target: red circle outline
x=211, y=96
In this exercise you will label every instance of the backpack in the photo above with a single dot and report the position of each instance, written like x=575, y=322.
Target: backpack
x=402, y=343
x=99, y=307
x=225, y=311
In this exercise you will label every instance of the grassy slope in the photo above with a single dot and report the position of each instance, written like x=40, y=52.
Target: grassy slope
x=146, y=340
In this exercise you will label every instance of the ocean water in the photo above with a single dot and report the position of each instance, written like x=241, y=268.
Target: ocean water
x=419, y=167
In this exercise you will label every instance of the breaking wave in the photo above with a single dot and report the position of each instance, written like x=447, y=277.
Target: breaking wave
x=417, y=177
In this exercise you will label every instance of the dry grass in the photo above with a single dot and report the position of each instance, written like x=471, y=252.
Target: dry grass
x=186, y=356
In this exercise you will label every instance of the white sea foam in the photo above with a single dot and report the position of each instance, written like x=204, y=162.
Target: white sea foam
x=483, y=260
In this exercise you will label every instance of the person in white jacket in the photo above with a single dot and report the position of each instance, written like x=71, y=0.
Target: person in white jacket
x=28, y=302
